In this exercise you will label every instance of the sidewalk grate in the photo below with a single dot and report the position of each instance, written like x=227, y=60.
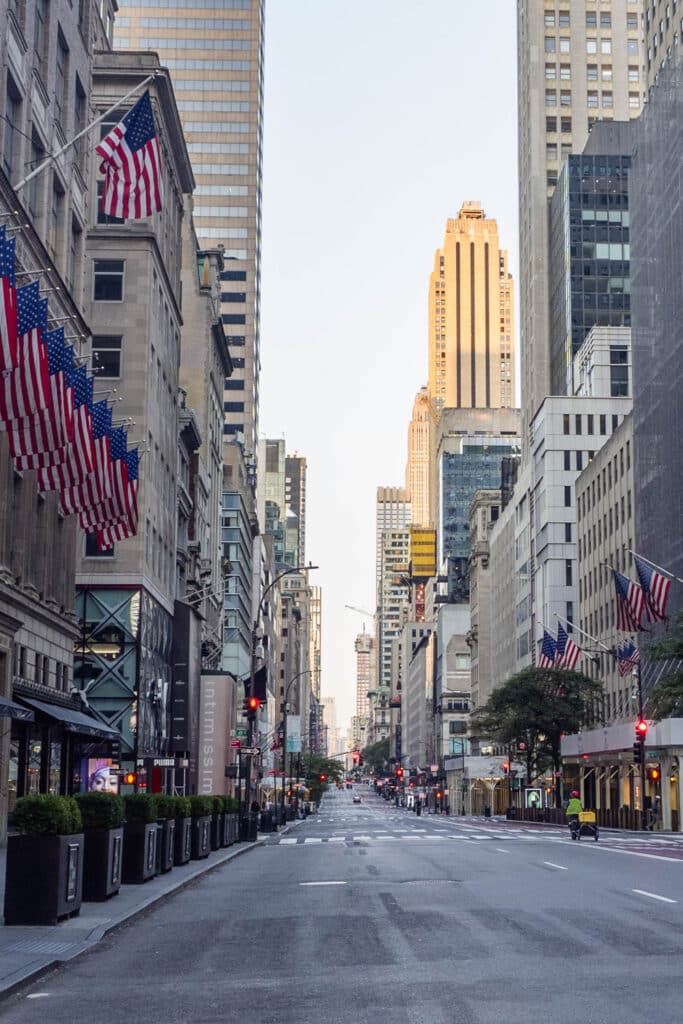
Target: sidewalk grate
x=40, y=946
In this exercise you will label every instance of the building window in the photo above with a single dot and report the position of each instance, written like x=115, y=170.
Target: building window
x=567, y=497
x=549, y=19
x=550, y=44
x=592, y=72
x=105, y=218
x=567, y=459
x=591, y=19
x=565, y=423
x=12, y=122
x=605, y=46
x=564, y=19
x=564, y=44
x=108, y=280
x=91, y=549
x=633, y=75
x=568, y=573
x=550, y=71
x=37, y=156
x=56, y=215
x=61, y=80
x=40, y=25
x=551, y=124
x=632, y=47
x=592, y=99
x=579, y=460
x=603, y=423
x=607, y=99
x=550, y=98
x=565, y=98
x=605, y=19
x=591, y=46
x=565, y=72
x=634, y=101
x=578, y=427
x=568, y=532
x=551, y=151
x=606, y=73
x=565, y=125
x=106, y=349
x=591, y=423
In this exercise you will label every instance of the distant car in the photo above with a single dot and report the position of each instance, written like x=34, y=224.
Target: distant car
x=356, y=798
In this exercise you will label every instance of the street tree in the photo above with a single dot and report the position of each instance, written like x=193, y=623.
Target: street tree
x=376, y=757
x=665, y=700
x=532, y=710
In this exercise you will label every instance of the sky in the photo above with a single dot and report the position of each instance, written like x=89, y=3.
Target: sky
x=381, y=118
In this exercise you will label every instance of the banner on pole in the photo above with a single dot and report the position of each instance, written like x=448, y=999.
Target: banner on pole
x=293, y=734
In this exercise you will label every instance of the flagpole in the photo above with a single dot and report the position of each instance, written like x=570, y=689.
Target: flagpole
x=583, y=632
x=84, y=131
x=659, y=568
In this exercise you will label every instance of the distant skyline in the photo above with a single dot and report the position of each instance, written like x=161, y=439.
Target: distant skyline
x=381, y=119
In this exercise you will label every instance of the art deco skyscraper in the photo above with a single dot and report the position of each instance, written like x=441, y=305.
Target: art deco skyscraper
x=216, y=60
x=471, y=346
x=577, y=63
x=418, y=465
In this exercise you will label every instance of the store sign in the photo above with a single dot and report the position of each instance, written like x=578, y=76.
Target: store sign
x=293, y=734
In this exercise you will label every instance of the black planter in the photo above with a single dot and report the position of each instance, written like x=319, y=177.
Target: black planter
x=230, y=829
x=216, y=830
x=102, y=863
x=165, y=845
x=201, y=837
x=183, y=840
x=44, y=878
x=249, y=828
x=139, y=852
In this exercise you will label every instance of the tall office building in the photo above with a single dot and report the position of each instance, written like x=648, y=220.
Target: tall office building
x=315, y=636
x=663, y=29
x=392, y=511
x=577, y=63
x=295, y=498
x=418, y=465
x=471, y=348
x=216, y=62
x=365, y=672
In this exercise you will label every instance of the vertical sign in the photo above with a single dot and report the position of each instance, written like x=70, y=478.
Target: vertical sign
x=293, y=734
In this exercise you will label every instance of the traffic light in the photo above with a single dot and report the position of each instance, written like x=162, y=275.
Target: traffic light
x=116, y=749
x=399, y=773
x=637, y=752
x=323, y=777
x=129, y=779
x=654, y=774
x=641, y=729
x=356, y=757
x=506, y=767
x=251, y=706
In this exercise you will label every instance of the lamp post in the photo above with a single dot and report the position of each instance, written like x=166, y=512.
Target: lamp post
x=283, y=711
x=252, y=675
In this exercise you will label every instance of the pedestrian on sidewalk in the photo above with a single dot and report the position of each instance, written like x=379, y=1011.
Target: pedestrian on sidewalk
x=654, y=814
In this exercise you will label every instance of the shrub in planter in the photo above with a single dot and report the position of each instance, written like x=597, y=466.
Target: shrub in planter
x=217, y=821
x=166, y=811
x=202, y=808
x=103, y=816
x=139, y=838
x=183, y=829
x=44, y=875
x=230, y=820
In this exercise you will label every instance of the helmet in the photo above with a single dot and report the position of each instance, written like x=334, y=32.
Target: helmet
x=575, y=792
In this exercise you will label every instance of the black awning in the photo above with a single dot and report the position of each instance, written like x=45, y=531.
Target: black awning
x=8, y=709
x=73, y=721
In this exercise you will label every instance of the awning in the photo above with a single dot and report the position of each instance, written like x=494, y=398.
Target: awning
x=73, y=721
x=8, y=709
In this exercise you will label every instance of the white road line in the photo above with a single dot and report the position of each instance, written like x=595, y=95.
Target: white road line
x=312, y=840
x=287, y=842
x=362, y=839
x=559, y=867
x=630, y=853
x=654, y=896
x=323, y=883
x=39, y=995
x=337, y=839
x=500, y=850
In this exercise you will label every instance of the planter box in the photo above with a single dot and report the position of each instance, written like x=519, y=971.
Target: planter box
x=102, y=863
x=165, y=845
x=44, y=878
x=230, y=829
x=217, y=821
x=201, y=837
x=139, y=852
x=183, y=840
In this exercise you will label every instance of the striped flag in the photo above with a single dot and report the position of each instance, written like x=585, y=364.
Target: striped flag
x=125, y=526
x=628, y=657
x=8, y=309
x=119, y=503
x=96, y=486
x=567, y=651
x=656, y=588
x=80, y=459
x=25, y=390
x=630, y=603
x=133, y=177
x=548, y=651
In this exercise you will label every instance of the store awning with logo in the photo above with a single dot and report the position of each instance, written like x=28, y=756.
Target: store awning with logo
x=8, y=709
x=73, y=721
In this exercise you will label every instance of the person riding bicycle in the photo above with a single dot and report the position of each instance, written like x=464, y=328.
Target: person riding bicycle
x=574, y=808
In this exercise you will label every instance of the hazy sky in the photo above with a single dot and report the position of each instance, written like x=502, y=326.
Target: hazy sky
x=381, y=117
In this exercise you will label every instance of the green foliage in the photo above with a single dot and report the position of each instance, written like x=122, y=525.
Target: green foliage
x=202, y=806
x=376, y=757
x=315, y=765
x=665, y=700
x=47, y=814
x=100, y=810
x=183, y=808
x=140, y=807
x=231, y=805
x=218, y=803
x=165, y=806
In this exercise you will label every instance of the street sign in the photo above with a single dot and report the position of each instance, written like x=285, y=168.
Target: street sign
x=235, y=744
x=240, y=732
x=251, y=751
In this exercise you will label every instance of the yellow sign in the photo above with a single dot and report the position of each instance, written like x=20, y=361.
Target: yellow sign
x=422, y=552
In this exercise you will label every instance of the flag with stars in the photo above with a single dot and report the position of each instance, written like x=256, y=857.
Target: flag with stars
x=656, y=587
x=125, y=526
x=567, y=651
x=8, y=311
x=25, y=390
x=628, y=657
x=548, y=651
x=79, y=462
x=131, y=164
x=630, y=603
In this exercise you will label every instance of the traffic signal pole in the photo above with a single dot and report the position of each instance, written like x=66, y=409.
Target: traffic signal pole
x=642, y=733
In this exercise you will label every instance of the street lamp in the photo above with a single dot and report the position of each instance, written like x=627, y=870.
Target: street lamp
x=283, y=711
x=252, y=675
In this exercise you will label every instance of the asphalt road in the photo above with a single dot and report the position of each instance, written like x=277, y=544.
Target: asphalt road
x=369, y=915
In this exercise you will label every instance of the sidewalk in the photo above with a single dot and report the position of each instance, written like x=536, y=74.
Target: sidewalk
x=28, y=952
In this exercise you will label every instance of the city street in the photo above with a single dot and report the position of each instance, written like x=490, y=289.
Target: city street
x=367, y=913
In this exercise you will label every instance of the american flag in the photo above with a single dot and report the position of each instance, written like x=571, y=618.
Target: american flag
x=133, y=178
x=80, y=461
x=8, y=311
x=96, y=487
x=548, y=651
x=628, y=657
x=630, y=603
x=567, y=651
x=25, y=390
x=118, y=504
x=656, y=588
x=60, y=364
x=126, y=526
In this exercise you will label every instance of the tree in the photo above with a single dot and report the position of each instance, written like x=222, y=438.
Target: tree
x=532, y=711
x=376, y=757
x=666, y=697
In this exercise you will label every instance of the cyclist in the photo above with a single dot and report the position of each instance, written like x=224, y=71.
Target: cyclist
x=574, y=808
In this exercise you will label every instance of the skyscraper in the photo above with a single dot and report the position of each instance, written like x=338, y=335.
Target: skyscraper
x=392, y=511
x=418, y=465
x=365, y=672
x=471, y=348
x=575, y=66
x=216, y=62
x=295, y=497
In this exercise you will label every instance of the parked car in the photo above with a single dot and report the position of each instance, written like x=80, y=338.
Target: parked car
x=356, y=798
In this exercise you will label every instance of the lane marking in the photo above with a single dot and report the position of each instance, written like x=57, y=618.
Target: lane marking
x=631, y=853
x=654, y=896
x=323, y=883
x=337, y=839
x=39, y=995
x=499, y=850
x=312, y=840
x=287, y=842
x=559, y=867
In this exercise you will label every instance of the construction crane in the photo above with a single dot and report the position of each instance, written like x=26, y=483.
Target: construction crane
x=361, y=611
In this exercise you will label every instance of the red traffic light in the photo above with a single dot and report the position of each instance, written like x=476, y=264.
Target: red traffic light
x=323, y=777
x=253, y=704
x=506, y=767
x=355, y=758
x=641, y=728
x=399, y=773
